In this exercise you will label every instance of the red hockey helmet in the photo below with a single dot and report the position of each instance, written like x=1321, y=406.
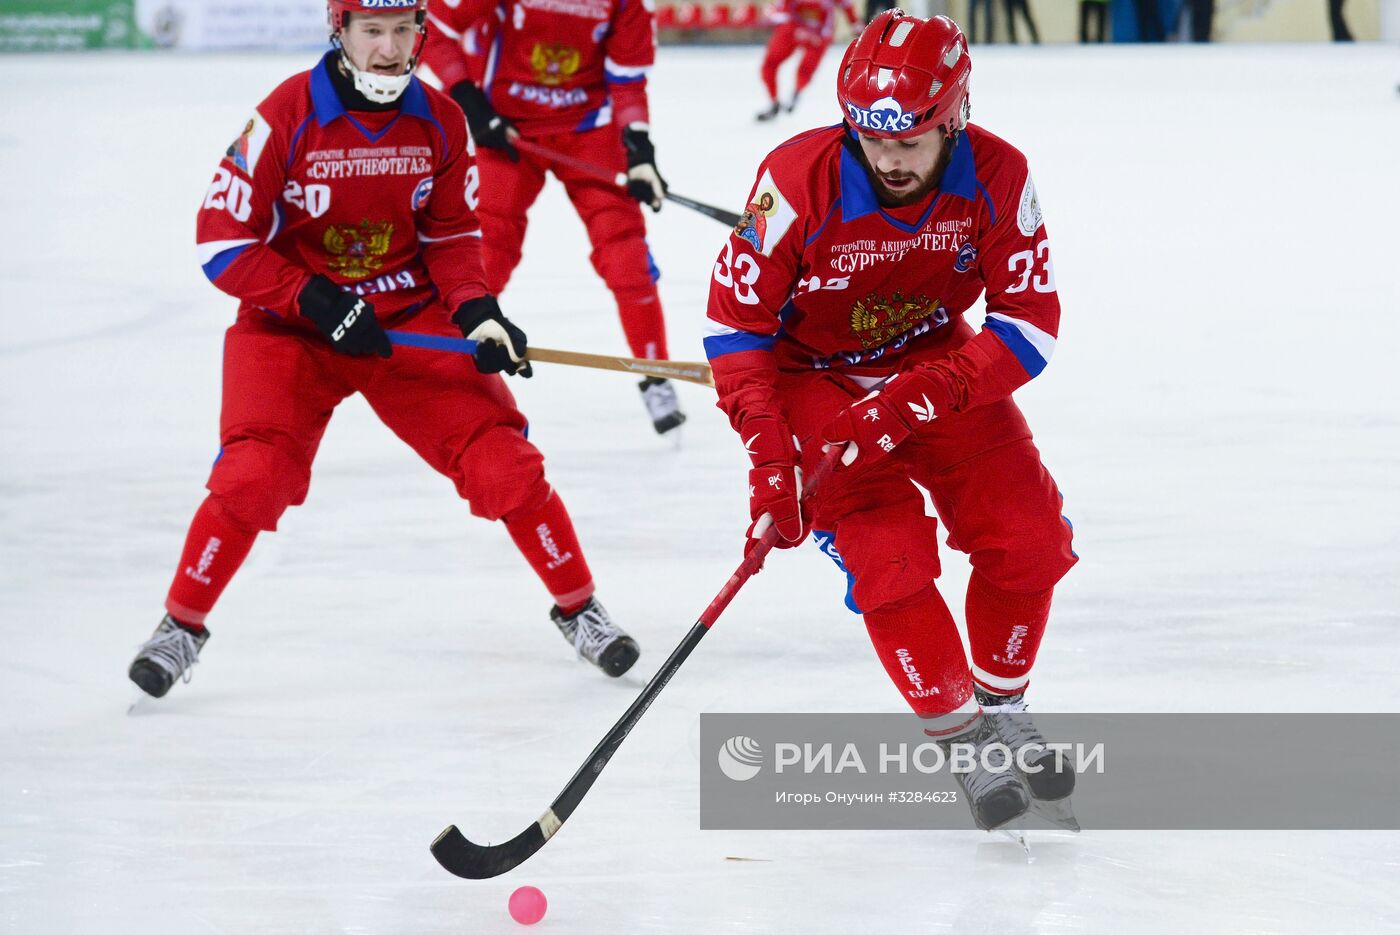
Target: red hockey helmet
x=337, y=10
x=903, y=75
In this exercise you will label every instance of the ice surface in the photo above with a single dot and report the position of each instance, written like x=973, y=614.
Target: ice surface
x=1222, y=415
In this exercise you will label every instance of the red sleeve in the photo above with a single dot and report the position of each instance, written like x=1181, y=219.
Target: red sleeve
x=849, y=8
x=446, y=59
x=753, y=278
x=629, y=52
x=1023, y=308
x=239, y=217
x=447, y=225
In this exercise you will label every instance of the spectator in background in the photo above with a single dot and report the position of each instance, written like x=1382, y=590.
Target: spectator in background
x=1340, y=33
x=1097, y=12
x=874, y=8
x=1149, y=17
x=1019, y=6
x=1202, y=13
x=973, y=34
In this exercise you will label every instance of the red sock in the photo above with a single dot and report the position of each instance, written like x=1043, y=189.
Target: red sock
x=643, y=324
x=214, y=550
x=1004, y=629
x=918, y=644
x=547, y=540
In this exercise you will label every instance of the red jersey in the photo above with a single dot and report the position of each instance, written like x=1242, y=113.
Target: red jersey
x=548, y=66
x=814, y=20
x=819, y=275
x=381, y=202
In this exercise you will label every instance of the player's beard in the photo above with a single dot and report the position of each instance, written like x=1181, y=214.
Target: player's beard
x=907, y=194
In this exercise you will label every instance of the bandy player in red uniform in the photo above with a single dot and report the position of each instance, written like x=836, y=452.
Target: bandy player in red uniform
x=840, y=321
x=570, y=75
x=801, y=24
x=344, y=206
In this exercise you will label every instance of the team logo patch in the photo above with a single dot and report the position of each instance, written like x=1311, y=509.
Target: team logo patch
x=876, y=320
x=356, y=251
x=421, y=193
x=885, y=115
x=245, y=150
x=554, y=63
x=1028, y=218
x=967, y=255
x=766, y=218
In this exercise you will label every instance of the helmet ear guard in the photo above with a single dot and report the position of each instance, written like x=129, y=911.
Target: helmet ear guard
x=380, y=89
x=903, y=74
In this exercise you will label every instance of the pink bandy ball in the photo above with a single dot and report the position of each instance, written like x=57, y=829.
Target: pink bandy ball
x=527, y=905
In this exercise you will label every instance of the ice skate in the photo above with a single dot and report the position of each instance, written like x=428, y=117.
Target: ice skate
x=171, y=653
x=1051, y=786
x=662, y=405
x=596, y=638
x=791, y=105
x=995, y=797
x=768, y=113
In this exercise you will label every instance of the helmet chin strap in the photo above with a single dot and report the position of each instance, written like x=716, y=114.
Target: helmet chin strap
x=380, y=89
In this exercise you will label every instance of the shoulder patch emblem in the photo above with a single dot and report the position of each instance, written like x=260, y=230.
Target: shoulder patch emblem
x=766, y=218
x=1028, y=217
x=245, y=150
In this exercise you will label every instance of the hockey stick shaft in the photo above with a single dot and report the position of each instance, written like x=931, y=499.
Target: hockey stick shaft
x=463, y=858
x=689, y=371
x=619, y=179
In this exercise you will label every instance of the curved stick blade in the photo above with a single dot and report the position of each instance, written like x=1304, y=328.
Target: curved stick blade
x=462, y=858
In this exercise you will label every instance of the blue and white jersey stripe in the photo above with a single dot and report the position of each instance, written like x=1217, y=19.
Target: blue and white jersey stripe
x=216, y=255
x=624, y=74
x=1032, y=346
x=721, y=339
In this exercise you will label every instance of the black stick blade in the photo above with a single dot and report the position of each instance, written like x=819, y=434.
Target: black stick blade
x=470, y=861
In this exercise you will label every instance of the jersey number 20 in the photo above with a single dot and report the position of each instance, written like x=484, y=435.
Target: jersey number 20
x=229, y=191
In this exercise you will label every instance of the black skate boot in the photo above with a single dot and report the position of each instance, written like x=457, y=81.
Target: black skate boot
x=768, y=113
x=1011, y=719
x=995, y=797
x=596, y=638
x=662, y=405
x=792, y=104
x=170, y=654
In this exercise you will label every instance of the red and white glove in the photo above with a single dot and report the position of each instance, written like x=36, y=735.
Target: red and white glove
x=873, y=427
x=775, y=483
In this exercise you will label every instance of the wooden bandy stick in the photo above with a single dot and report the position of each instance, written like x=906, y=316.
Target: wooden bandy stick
x=689, y=371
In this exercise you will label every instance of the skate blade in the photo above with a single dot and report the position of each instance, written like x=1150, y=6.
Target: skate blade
x=1017, y=836
x=136, y=706
x=1059, y=813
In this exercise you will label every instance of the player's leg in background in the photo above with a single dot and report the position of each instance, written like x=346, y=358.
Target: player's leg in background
x=620, y=255
x=781, y=45
x=617, y=232
x=508, y=189
x=465, y=424
x=812, y=53
x=279, y=390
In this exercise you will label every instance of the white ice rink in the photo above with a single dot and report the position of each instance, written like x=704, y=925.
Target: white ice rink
x=1222, y=415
